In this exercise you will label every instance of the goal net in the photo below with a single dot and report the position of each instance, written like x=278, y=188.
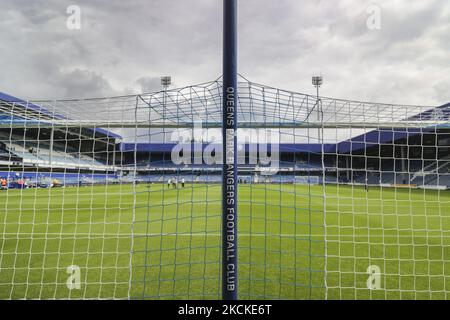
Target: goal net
x=121, y=198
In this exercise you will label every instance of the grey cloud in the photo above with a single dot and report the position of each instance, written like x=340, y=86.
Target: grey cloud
x=83, y=83
x=124, y=46
x=441, y=89
x=149, y=84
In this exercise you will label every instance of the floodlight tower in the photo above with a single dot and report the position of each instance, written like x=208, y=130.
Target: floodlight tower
x=317, y=82
x=166, y=82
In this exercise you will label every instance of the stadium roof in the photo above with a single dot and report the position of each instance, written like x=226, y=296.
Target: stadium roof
x=383, y=135
x=283, y=147
x=439, y=113
x=18, y=111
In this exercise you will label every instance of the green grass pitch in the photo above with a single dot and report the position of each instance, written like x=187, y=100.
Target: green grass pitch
x=288, y=247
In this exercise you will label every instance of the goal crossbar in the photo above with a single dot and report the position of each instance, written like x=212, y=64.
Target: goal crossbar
x=216, y=125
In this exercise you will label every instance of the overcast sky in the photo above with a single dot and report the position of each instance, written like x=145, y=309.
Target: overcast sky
x=125, y=46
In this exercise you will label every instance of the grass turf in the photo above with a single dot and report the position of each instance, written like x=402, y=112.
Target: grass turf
x=285, y=250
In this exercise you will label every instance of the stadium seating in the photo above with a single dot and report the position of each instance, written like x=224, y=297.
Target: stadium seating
x=45, y=179
x=33, y=153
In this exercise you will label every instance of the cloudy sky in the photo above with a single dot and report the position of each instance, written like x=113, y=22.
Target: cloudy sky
x=401, y=55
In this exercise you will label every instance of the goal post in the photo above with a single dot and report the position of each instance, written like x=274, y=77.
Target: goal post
x=229, y=136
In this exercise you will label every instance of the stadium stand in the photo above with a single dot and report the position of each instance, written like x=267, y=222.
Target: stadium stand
x=376, y=157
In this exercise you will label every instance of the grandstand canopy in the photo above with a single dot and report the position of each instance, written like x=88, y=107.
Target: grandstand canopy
x=15, y=111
